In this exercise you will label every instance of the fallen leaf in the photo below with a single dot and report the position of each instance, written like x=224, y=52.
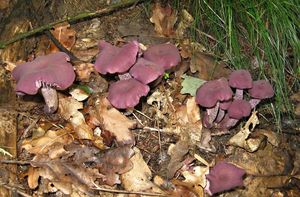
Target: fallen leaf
x=184, y=24
x=115, y=122
x=139, y=177
x=241, y=139
x=207, y=67
x=68, y=106
x=65, y=35
x=115, y=162
x=41, y=145
x=164, y=19
x=190, y=85
x=79, y=94
x=68, y=109
x=84, y=70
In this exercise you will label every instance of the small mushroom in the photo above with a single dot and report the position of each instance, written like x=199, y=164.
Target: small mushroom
x=262, y=89
x=146, y=71
x=47, y=74
x=165, y=55
x=240, y=79
x=209, y=95
x=239, y=109
x=126, y=93
x=112, y=59
x=224, y=176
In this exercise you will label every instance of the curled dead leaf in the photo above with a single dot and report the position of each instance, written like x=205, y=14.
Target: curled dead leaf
x=115, y=122
x=164, y=19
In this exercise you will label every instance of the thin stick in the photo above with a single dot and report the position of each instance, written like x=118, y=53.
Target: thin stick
x=15, y=162
x=12, y=188
x=125, y=192
x=71, y=19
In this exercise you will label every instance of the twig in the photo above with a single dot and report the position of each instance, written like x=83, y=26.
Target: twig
x=125, y=192
x=15, y=162
x=13, y=188
x=71, y=19
x=24, y=135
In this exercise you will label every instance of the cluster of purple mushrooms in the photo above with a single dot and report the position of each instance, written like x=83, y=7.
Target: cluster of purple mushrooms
x=223, y=108
x=136, y=70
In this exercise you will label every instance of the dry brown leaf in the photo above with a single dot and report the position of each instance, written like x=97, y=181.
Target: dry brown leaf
x=241, y=139
x=84, y=70
x=138, y=178
x=79, y=94
x=65, y=35
x=115, y=162
x=207, y=67
x=164, y=19
x=68, y=106
x=115, y=122
x=68, y=109
x=43, y=144
x=33, y=177
x=183, y=26
x=70, y=161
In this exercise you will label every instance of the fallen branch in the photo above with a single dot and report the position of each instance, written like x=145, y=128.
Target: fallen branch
x=72, y=19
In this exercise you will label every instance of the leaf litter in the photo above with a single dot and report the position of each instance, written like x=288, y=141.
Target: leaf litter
x=159, y=148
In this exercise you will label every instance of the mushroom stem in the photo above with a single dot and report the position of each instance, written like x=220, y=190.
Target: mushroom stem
x=212, y=113
x=220, y=115
x=239, y=94
x=51, y=99
x=254, y=102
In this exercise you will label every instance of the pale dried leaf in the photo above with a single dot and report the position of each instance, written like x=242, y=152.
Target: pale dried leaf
x=65, y=35
x=79, y=94
x=241, y=139
x=84, y=70
x=164, y=19
x=196, y=176
x=115, y=122
x=138, y=178
x=68, y=107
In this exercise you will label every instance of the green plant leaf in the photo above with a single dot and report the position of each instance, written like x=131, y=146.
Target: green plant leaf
x=190, y=84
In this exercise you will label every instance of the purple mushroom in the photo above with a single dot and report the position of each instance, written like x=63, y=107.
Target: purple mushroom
x=224, y=176
x=239, y=109
x=262, y=89
x=146, y=71
x=165, y=55
x=113, y=59
x=47, y=74
x=209, y=95
x=126, y=93
x=240, y=79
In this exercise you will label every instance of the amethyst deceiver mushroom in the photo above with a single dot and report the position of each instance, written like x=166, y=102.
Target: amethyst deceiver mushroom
x=261, y=89
x=239, y=109
x=47, y=74
x=126, y=93
x=112, y=59
x=224, y=176
x=210, y=94
x=165, y=55
x=146, y=71
x=240, y=80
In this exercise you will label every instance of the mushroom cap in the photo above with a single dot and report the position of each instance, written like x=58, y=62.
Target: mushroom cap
x=239, y=109
x=225, y=104
x=213, y=91
x=145, y=71
x=240, y=79
x=165, y=55
x=126, y=93
x=53, y=70
x=224, y=176
x=261, y=89
x=112, y=59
